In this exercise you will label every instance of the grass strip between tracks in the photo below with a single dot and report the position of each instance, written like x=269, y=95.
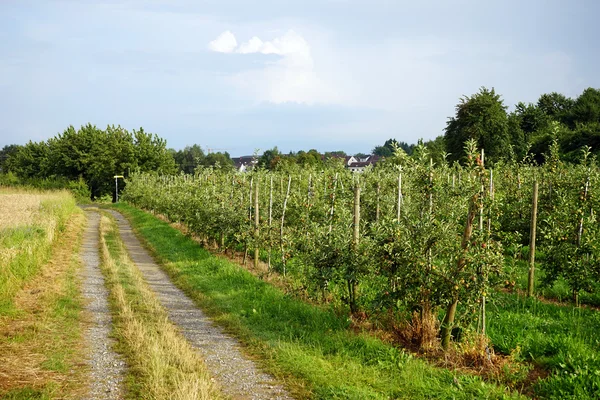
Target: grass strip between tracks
x=162, y=364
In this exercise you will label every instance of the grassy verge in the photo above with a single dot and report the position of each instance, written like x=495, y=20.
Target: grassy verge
x=550, y=333
x=561, y=339
x=310, y=348
x=162, y=364
x=41, y=347
x=29, y=224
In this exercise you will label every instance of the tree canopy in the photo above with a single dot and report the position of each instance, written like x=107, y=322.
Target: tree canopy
x=192, y=157
x=94, y=155
x=481, y=117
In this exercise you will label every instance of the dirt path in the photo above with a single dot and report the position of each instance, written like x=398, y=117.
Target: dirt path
x=106, y=368
x=238, y=376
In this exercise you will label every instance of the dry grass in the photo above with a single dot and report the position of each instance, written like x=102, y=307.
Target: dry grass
x=41, y=345
x=162, y=363
x=29, y=222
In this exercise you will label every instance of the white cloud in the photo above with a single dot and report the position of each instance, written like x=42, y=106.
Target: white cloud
x=291, y=78
x=254, y=45
x=225, y=43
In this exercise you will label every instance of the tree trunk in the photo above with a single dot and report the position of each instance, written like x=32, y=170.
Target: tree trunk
x=448, y=323
x=256, y=227
x=355, y=242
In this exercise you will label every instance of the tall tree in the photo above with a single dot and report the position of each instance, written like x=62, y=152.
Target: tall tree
x=31, y=161
x=526, y=125
x=218, y=160
x=189, y=158
x=557, y=106
x=270, y=158
x=436, y=149
x=93, y=154
x=587, y=107
x=151, y=153
x=5, y=154
x=390, y=145
x=481, y=117
x=309, y=158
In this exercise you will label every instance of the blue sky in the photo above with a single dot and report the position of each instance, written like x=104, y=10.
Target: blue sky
x=245, y=75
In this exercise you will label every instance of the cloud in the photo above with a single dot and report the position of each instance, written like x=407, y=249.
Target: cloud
x=288, y=44
x=291, y=78
x=225, y=43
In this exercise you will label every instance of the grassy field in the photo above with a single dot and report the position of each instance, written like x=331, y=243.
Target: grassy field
x=162, y=364
x=29, y=223
x=40, y=305
x=551, y=333
x=310, y=348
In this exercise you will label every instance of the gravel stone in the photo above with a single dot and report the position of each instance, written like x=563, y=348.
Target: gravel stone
x=106, y=367
x=238, y=376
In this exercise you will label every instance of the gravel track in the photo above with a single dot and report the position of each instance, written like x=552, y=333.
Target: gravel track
x=238, y=376
x=106, y=367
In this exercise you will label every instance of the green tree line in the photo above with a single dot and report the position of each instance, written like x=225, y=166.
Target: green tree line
x=94, y=155
x=91, y=154
x=528, y=130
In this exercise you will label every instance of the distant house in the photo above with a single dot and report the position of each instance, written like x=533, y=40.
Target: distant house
x=355, y=164
x=244, y=163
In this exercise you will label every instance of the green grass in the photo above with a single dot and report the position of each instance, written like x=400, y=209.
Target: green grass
x=561, y=339
x=311, y=348
x=559, y=290
x=26, y=394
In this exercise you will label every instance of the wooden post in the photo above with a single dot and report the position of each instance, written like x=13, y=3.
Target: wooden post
x=399, y=206
x=287, y=195
x=335, y=181
x=532, y=233
x=309, y=190
x=377, y=207
x=221, y=233
x=270, y=222
x=355, y=243
x=491, y=193
x=481, y=196
x=431, y=185
x=580, y=234
x=250, y=219
x=256, y=226
x=356, y=232
x=580, y=230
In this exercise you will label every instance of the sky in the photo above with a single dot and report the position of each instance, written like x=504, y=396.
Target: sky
x=244, y=76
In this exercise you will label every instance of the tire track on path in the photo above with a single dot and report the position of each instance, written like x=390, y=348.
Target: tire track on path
x=238, y=376
x=106, y=368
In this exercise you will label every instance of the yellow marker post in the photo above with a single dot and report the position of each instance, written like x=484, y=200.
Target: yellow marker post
x=117, y=187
